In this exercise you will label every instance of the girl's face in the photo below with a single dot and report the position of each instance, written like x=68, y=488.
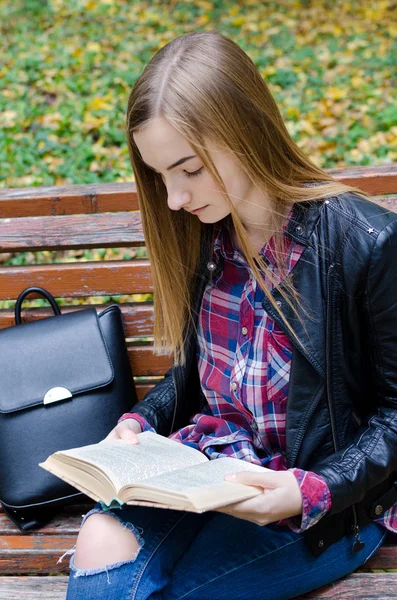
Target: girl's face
x=189, y=185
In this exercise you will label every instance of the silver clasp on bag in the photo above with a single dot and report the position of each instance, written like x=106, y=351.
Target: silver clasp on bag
x=57, y=393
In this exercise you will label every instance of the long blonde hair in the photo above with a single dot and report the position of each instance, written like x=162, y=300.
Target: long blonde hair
x=207, y=87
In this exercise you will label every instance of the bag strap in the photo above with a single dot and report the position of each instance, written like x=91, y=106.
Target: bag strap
x=37, y=290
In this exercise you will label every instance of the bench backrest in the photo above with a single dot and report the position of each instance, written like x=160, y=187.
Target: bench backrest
x=105, y=216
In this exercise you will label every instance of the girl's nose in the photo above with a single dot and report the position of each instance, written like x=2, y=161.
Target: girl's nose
x=177, y=200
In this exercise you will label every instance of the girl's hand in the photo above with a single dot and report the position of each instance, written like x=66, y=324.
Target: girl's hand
x=281, y=497
x=126, y=430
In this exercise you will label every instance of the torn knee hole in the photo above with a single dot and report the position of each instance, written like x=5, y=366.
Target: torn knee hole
x=104, y=567
x=94, y=556
x=80, y=572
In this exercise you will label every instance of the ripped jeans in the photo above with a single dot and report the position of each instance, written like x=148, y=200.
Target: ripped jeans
x=193, y=556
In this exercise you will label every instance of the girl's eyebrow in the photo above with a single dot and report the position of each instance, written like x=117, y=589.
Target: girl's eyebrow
x=180, y=161
x=177, y=163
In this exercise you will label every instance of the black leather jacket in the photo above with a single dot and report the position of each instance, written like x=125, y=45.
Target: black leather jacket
x=342, y=400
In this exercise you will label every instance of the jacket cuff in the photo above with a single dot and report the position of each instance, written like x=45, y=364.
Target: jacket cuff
x=145, y=425
x=316, y=499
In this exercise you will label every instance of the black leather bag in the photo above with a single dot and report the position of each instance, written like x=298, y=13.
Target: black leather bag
x=65, y=380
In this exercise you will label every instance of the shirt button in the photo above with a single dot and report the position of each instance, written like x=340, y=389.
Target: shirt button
x=244, y=331
x=378, y=510
x=251, y=276
x=254, y=426
x=233, y=385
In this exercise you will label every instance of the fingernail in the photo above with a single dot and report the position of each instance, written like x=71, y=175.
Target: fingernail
x=230, y=476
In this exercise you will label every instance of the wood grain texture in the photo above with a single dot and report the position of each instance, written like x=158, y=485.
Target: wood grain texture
x=138, y=318
x=113, y=197
x=121, y=229
x=30, y=554
x=384, y=558
x=38, y=552
x=68, y=200
x=390, y=202
x=380, y=179
x=143, y=389
x=74, y=280
x=60, y=525
x=144, y=363
x=359, y=586
x=32, y=588
x=61, y=233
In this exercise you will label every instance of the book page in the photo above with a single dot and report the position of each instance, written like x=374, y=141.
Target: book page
x=200, y=475
x=125, y=463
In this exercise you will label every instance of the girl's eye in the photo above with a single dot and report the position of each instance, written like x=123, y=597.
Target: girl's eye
x=194, y=172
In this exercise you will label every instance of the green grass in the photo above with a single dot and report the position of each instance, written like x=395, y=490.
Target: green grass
x=67, y=67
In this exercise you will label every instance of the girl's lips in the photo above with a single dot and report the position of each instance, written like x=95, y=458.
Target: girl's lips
x=194, y=212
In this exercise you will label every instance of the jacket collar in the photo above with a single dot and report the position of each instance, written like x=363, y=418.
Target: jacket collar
x=303, y=220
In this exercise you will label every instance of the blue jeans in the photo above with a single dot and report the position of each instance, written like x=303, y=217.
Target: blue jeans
x=214, y=556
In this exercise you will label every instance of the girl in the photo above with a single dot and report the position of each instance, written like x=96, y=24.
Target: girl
x=275, y=292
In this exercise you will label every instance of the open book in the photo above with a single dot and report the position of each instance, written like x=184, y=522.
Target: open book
x=156, y=472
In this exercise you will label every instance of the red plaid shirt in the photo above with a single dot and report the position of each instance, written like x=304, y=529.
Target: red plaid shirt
x=244, y=362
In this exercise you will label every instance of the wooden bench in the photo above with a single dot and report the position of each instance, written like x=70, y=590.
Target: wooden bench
x=107, y=216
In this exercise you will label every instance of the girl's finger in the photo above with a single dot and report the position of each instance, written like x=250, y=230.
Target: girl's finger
x=264, y=480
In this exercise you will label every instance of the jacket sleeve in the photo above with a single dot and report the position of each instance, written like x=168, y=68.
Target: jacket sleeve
x=145, y=426
x=372, y=457
x=157, y=407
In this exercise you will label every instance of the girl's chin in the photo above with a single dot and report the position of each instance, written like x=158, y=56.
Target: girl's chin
x=210, y=215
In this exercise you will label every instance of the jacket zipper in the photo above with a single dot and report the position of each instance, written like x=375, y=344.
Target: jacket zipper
x=331, y=414
x=357, y=544
x=356, y=418
x=176, y=399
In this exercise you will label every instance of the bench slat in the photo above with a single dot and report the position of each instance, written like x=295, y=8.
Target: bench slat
x=31, y=588
x=73, y=280
x=113, y=197
x=138, y=318
x=384, y=558
x=379, y=179
x=142, y=390
x=69, y=232
x=72, y=232
x=144, y=363
x=60, y=525
x=34, y=553
x=360, y=586
x=38, y=552
x=68, y=524
x=68, y=199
